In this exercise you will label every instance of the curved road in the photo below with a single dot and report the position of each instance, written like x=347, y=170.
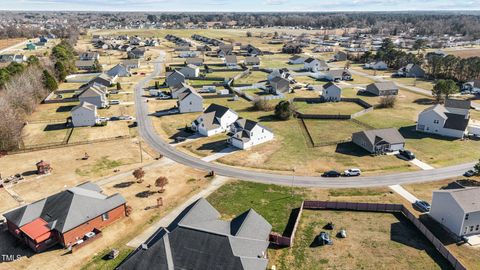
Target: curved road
x=149, y=134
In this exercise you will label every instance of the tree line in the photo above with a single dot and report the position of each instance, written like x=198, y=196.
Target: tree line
x=24, y=86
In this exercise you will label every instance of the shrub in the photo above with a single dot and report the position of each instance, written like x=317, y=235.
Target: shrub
x=261, y=104
x=284, y=110
x=387, y=102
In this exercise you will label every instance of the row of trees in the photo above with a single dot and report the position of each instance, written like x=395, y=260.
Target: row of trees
x=454, y=68
x=24, y=86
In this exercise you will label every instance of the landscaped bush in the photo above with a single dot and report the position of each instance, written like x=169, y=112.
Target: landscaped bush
x=261, y=104
x=387, y=102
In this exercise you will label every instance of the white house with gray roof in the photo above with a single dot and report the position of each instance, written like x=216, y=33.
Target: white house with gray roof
x=458, y=210
x=379, y=141
x=331, y=92
x=214, y=120
x=94, y=95
x=84, y=115
x=449, y=120
x=174, y=78
x=199, y=239
x=190, y=101
x=190, y=71
x=387, y=88
x=245, y=133
x=315, y=65
x=119, y=70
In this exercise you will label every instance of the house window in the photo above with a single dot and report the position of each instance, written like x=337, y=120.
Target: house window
x=471, y=228
x=478, y=227
x=436, y=121
x=466, y=216
x=105, y=216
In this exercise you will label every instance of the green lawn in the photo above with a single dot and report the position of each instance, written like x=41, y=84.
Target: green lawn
x=273, y=202
x=345, y=108
x=324, y=131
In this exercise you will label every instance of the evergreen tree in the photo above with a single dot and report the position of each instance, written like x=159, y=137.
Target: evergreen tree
x=49, y=81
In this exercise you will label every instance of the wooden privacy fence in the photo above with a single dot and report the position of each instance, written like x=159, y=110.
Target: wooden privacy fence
x=287, y=241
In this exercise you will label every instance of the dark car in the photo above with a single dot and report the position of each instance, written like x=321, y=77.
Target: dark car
x=180, y=139
x=469, y=173
x=406, y=155
x=331, y=174
x=423, y=206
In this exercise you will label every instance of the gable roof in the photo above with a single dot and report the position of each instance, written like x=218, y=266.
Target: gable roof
x=330, y=84
x=467, y=198
x=197, y=239
x=458, y=104
x=385, y=86
x=388, y=135
x=85, y=105
x=67, y=209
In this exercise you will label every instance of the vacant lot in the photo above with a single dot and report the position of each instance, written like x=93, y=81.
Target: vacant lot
x=44, y=133
x=331, y=108
x=374, y=241
x=111, y=130
x=465, y=53
x=330, y=131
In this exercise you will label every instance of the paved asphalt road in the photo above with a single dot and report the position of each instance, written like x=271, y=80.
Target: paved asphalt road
x=149, y=134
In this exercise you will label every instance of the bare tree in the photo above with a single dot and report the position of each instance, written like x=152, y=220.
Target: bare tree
x=139, y=174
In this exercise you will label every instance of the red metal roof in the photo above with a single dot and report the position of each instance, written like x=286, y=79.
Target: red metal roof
x=37, y=230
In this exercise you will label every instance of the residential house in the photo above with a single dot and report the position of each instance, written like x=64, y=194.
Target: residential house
x=252, y=61
x=176, y=90
x=224, y=50
x=279, y=85
x=65, y=217
x=136, y=53
x=379, y=141
x=174, y=78
x=85, y=64
x=231, y=61
x=472, y=86
x=379, y=65
x=89, y=56
x=296, y=60
x=194, y=61
x=190, y=71
x=84, y=115
x=214, y=120
x=131, y=63
x=458, y=210
x=104, y=79
x=331, y=92
x=199, y=239
x=387, y=88
x=340, y=56
x=282, y=72
x=31, y=46
x=188, y=54
x=119, y=70
x=337, y=75
x=17, y=58
x=245, y=133
x=94, y=95
x=190, y=101
x=315, y=65
x=449, y=120
x=412, y=71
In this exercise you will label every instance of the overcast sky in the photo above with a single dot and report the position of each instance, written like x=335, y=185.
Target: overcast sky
x=240, y=5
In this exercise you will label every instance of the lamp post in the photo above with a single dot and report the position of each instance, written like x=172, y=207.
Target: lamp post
x=293, y=180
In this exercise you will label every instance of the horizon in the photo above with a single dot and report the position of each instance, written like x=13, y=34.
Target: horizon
x=215, y=6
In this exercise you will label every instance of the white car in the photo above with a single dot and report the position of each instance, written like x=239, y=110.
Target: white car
x=352, y=172
x=114, y=102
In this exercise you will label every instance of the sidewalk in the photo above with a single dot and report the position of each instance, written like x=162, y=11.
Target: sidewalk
x=166, y=220
x=404, y=193
x=422, y=165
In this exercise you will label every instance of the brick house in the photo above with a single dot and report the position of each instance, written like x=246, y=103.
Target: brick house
x=65, y=218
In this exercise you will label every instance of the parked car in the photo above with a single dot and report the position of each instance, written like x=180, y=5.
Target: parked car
x=469, y=173
x=422, y=206
x=127, y=117
x=331, y=174
x=114, y=102
x=162, y=96
x=406, y=155
x=352, y=172
x=114, y=118
x=180, y=139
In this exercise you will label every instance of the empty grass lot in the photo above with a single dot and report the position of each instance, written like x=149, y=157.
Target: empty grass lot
x=324, y=131
x=375, y=240
x=345, y=108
